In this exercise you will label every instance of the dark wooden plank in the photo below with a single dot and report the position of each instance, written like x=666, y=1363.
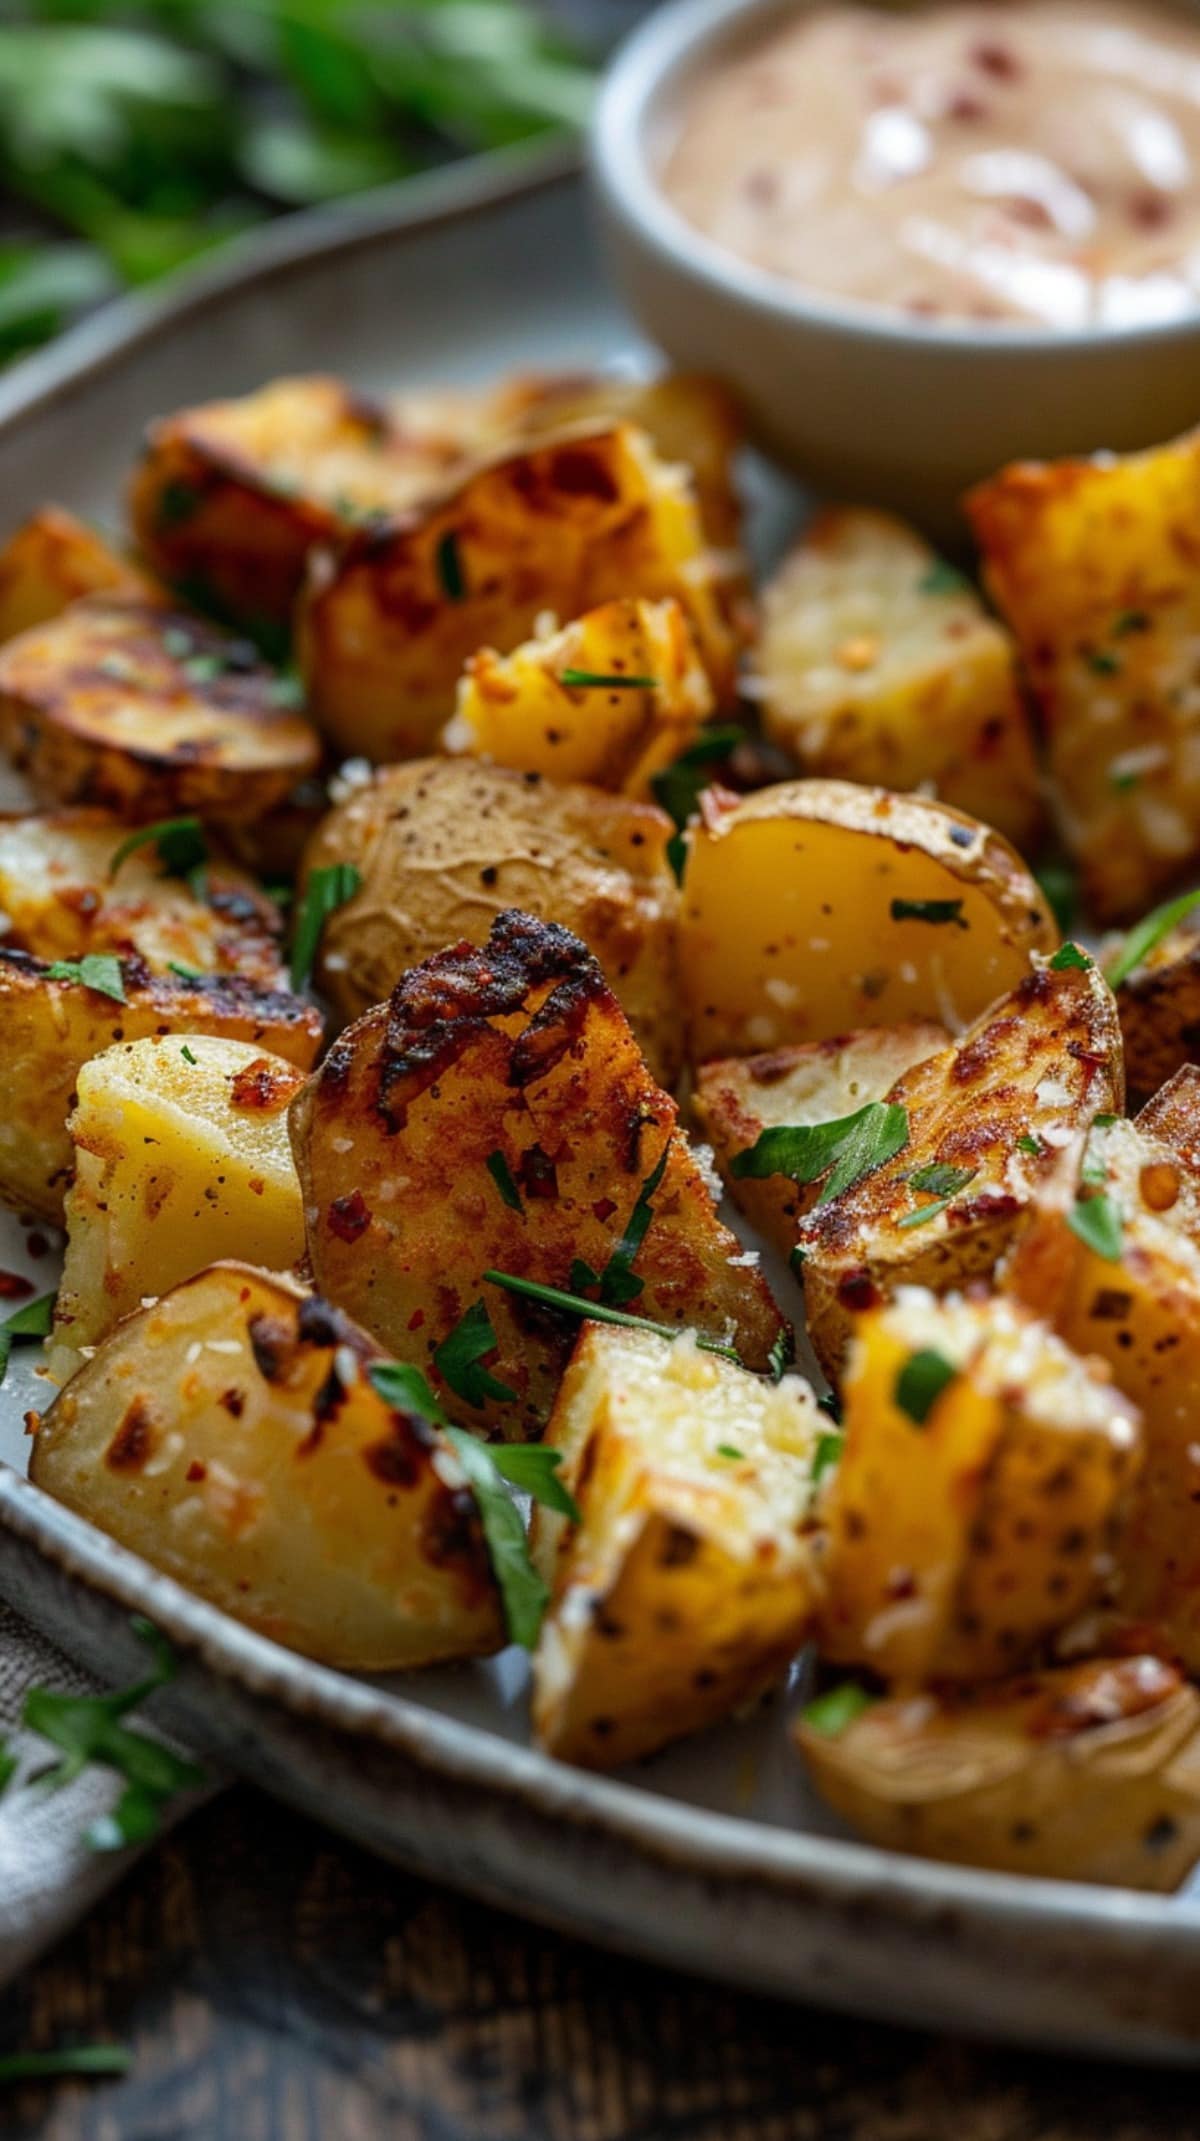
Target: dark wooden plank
x=277, y=1985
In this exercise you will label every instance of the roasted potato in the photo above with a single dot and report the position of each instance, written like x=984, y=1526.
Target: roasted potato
x=815, y=907
x=985, y=1121
x=181, y=1156
x=1159, y=1003
x=497, y=1115
x=975, y=1505
x=1087, y=1773
x=231, y=1434
x=559, y=525
x=877, y=663
x=1110, y=1259
x=52, y=561
x=736, y=1099
x=610, y=700
x=1172, y=1116
x=151, y=712
x=1092, y=564
x=688, y=1585
x=443, y=848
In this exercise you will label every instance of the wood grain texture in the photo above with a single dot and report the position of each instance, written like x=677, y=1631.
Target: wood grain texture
x=277, y=1985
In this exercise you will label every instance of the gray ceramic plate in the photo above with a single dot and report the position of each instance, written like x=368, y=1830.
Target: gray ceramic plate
x=711, y=1858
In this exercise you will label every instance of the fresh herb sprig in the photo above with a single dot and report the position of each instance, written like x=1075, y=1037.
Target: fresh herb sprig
x=69, y=2059
x=100, y=971
x=325, y=891
x=572, y=1304
x=619, y=1283
x=679, y=786
x=850, y=1147
x=180, y=845
x=1147, y=935
x=27, y=1325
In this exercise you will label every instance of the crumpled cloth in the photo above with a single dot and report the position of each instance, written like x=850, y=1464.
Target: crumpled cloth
x=49, y=1877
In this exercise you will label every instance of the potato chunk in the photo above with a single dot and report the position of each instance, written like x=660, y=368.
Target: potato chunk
x=231, y=1435
x=880, y=664
x=688, y=1586
x=611, y=700
x=443, y=848
x=181, y=1157
x=559, y=525
x=1087, y=1773
x=815, y=907
x=1172, y=1117
x=497, y=1114
x=1092, y=564
x=52, y=561
x=1159, y=1003
x=737, y=1099
x=985, y=1119
x=974, y=1510
x=150, y=711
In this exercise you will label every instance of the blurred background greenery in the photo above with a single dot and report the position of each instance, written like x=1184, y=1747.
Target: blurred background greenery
x=135, y=138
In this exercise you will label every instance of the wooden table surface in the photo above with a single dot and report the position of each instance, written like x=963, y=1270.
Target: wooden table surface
x=275, y=1984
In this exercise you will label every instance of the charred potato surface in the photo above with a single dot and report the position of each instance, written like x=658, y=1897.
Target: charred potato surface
x=52, y=561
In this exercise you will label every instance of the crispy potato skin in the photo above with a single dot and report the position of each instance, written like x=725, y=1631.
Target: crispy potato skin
x=559, y=525
x=231, y=1435
x=689, y=1585
x=519, y=1050
x=1093, y=565
x=178, y=1161
x=1159, y=1005
x=150, y=712
x=787, y=932
x=879, y=666
x=517, y=710
x=735, y=1100
x=444, y=847
x=1085, y=1773
x=959, y=1544
x=1172, y=1117
x=52, y=561
x=1038, y=1064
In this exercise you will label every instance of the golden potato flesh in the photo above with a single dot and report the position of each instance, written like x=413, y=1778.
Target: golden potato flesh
x=52, y=561
x=611, y=700
x=231, y=1435
x=1092, y=563
x=688, y=1585
x=1085, y=1773
x=444, y=847
x=974, y=1509
x=496, y=1114
x=559, y=525
x=814, y=907
x=985, y=1120
x=1159, y=1003
x=735, y=1100
x=181, y=1157
x=150, y=712
x=878, y=663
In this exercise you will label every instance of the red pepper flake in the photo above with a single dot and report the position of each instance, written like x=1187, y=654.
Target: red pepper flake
x=13, y=1287
x=1000, y=61
x=1149, y=210
x=349, y=1217
x=196, y=1471
x=603, y=1209
x=416, y=1319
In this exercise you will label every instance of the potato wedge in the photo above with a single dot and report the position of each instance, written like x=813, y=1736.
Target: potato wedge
x=151, y=712
x=443, y=848
x=559, y=525
x=52, y=561
x=815, y=907
x=877, y=663
x=611, y=700
x=985, y=1472
x=1159, y=1003
x=688, y=1587
x=985, y=1121
x=1086, y=1773
x=497, y=1114
x=1172, y=1116
x=735, y=1100
x=230, y=1434
x=181, y=1157
x=1091, y=562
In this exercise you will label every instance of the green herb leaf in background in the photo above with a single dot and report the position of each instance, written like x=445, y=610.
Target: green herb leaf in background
x=325, y=892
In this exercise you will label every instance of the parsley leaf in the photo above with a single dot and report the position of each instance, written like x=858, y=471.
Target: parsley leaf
x=187, y=1055
x=726, y=1449
x=579, y=679
x=522, y=1591
x=921, y=1381
x=679, y=786
x=600, y=1312
x=1068, y=956
x=1060, y=889
x=533, y=1468
x=1031, y=1146
x=459, y=1358
x=852, y=1146
x=944, y=1184
x=100, y=971
x=827, y=1452
x=501, y=1174
x=929, y=911
x=781, y=1355
x=70, y=2059
x=448, y=559
x=402, y=1384
x=618, y=1282
x=1147, y=935
x=1130, y=621
x=325, y=892
x=182, y=849
x=830, y=1713
x=1097, y=1223
x=943, y=579
x=1102, y=663
x=32, y=1322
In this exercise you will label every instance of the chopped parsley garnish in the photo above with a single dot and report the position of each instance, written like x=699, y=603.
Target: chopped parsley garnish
x=187, y=1055
x=830, y=1713
x=1068, y=956
x=180, y=845
x=460, y=1356
x=1147, y=935
x=287, y=691
x=580, y=679
x=450, y=567
x=921, y=1381
x=1130, y=621
x=943, y=579
x=325, y=892
x=781, y=1355
x=501, y=1174
x=830, y=1403
x=598, y=1312
x=522, y=1591
x=1031, y=1146
x=28, y=1324
x=852, y=1146
x=533, y=1469
x=1060, y=888
x=943, y=1183
x=100, y=971
x=1102, y=663
x=797, y=1259
x=827, y=1453
x=408, y=1389
x=679, y=786
x=618, y=1282
x=726, y=1449
x=1097, y=1223
x=1123, y=783
x=930, y=911
x=185, y=973
x=70, y=2059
